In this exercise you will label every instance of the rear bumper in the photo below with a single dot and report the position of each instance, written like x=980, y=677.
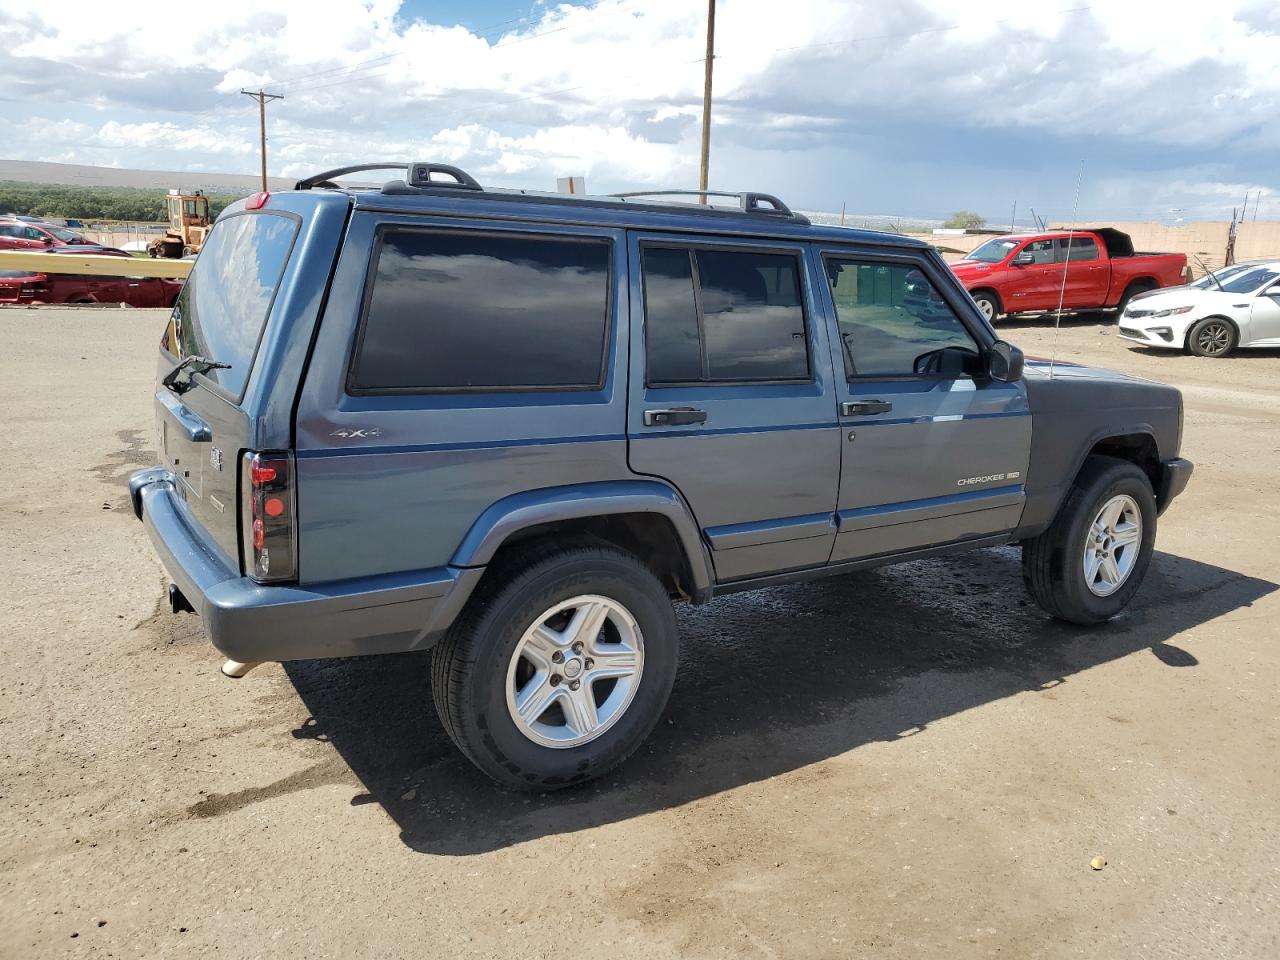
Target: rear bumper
x=1174, y=475
x=252, y=622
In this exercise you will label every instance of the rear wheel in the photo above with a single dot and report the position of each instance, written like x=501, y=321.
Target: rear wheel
x=1212, y=337
x=560, y=666
x=987, y=304
x=1091, y=561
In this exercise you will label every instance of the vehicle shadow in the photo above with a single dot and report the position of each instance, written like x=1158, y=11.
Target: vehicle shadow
x=769, y=682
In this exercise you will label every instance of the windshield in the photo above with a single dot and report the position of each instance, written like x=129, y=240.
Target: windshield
x=1250, y=281
x=223, y=307
x=1210, y=281
x=993, y=251
x=15, y=274
x=66, y=236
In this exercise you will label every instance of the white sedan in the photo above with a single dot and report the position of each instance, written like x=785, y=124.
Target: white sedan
x=1240, y=310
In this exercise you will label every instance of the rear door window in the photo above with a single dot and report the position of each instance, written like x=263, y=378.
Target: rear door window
x=457, y=311
x=723, y=316
x=223, y=307
x=1077, y=249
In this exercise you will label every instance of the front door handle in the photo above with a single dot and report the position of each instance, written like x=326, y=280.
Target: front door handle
x=862, y=408
x=674, y=417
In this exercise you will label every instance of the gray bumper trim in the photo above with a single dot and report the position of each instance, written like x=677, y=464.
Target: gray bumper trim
x=250, y=622
x=1174, y=475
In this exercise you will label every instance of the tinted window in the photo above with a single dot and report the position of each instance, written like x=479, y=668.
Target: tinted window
x=1249, y=281
x=453, y=311
x=223, y=305
x=894, y=323
x=674, y=354
x=745, y=323
x=8, y=230
x=1081, y=248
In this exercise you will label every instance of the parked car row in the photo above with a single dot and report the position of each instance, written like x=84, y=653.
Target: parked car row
x=28, y=234
x=33, y=287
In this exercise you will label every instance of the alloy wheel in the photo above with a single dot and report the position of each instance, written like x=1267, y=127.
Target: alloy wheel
x=1112, y=544
x=575, y=671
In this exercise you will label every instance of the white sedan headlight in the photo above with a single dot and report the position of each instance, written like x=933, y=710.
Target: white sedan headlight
x=1171, y=312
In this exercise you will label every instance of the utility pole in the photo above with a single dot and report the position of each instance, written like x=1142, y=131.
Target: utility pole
x=262, y=97
x=706, y=98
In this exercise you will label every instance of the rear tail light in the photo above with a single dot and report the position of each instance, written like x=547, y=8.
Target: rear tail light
x=268, y=525
x=32, y=290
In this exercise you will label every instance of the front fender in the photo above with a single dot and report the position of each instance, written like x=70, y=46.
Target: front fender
x=531, y=508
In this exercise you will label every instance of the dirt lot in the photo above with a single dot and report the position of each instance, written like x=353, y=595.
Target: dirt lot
x=907, y=763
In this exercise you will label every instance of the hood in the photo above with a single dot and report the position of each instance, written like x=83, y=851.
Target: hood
x=1037, y=368
x=971, y=266
x=1171, y=297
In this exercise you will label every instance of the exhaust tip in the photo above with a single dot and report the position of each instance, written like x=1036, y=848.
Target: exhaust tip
x=235, y=669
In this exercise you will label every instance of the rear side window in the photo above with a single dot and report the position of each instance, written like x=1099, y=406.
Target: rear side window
x=453, y=311
x=224, y=304
x=723, y=316
x=1076, y=249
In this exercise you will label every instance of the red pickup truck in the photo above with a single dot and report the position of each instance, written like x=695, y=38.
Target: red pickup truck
x=1083, y=269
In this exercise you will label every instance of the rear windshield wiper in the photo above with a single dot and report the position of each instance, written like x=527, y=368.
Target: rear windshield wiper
x=190, y=366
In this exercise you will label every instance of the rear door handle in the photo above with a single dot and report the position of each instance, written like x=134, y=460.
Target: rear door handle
x=862, y=408
x=674, y=417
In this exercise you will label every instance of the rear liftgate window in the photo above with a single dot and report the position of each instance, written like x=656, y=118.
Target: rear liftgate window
x=224, y=304
x=452, y=311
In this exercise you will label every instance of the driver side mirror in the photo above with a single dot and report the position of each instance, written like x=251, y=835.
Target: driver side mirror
x=1004, y=362
x=1023, y=260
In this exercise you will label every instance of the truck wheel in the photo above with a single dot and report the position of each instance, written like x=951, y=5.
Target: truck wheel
x=1212, y=337
x=1090, y=562
x=559, y=667
x=987, y=304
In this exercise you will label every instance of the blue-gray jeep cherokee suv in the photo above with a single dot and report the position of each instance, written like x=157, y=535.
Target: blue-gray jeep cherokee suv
x=514, y=427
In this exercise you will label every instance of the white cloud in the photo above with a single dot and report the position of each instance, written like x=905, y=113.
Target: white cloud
x=613, y=90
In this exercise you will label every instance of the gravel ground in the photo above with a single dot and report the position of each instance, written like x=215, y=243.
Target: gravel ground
x=906, y=763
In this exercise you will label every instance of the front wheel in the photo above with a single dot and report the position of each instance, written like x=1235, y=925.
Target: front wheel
x=560, y=666
x=1091, y=561
x=987, y=304
x=1211, y=337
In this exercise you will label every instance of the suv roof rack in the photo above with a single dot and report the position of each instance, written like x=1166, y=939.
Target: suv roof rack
x=749, y=201
x=419, y=178
x=417, y=175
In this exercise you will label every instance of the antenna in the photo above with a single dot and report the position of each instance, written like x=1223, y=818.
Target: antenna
x=1062, y=291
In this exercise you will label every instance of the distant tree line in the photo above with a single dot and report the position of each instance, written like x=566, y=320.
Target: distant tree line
x=92, y=203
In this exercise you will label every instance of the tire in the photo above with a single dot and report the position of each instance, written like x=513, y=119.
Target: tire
x=485, y=665
x=1054, y=563
x=1211, y=337
x=186, y=251
x=988, y=304
x=1127, y=296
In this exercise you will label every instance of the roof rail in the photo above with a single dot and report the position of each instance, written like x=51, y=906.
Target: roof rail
x=749, y=201
x=416, y=175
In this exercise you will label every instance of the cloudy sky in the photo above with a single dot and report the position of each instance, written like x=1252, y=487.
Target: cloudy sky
x=910, y=107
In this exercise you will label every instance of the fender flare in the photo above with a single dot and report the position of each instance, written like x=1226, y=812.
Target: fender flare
x=577, y=501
